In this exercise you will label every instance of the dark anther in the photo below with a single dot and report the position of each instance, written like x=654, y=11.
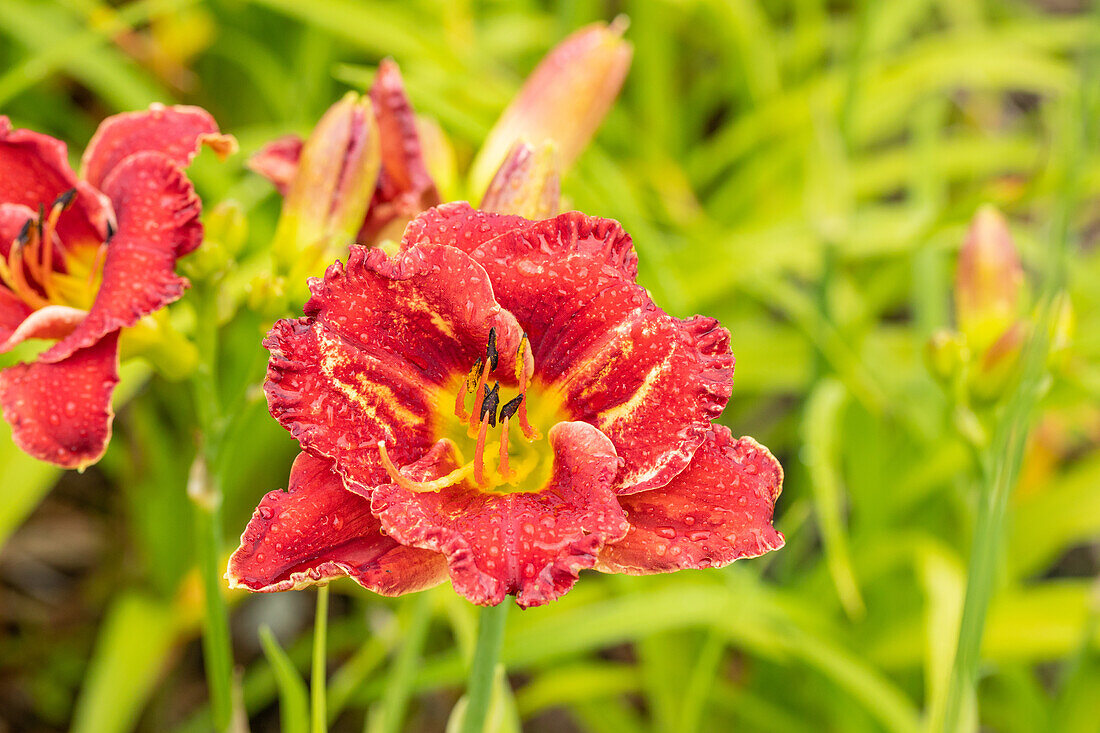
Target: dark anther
x=24, y=233
x=65, y=200
x=510, y=407
x=41, y=222
x=110, y=230
x=489, y=405
x=491, y=349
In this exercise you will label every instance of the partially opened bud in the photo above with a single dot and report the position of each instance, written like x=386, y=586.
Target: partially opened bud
x=989, y=280
x=528, y=183
x=564, y=100
x=334, y=182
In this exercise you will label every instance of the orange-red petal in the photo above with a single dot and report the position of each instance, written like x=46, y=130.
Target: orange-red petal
x=34, y=171
x=381, y=341
x=716, y=511
x=158, y=221
x=61, y=412
x=317, y=531
x=13, y=311
x=531, y=544
x=177, y=132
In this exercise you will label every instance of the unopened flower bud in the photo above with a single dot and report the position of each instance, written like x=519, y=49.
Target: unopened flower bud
x=999, y=362
x=563, y=100
x=989, y=280
x=528, y=183
x=333, y=185
x=945, y=353
x=1062, y=330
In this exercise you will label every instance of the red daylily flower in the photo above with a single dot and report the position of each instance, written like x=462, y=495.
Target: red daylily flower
x=404, y=187
x=492, y=330
x=82, y=258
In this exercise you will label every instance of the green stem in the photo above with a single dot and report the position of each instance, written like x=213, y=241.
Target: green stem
x=403, y=671
x=479, y=688
x=205, y=491
x=317, y=676
x=1002, y=460
x=216, y=647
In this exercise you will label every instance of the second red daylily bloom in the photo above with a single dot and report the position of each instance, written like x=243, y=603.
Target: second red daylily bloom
x=82, y=258
x=502, y=403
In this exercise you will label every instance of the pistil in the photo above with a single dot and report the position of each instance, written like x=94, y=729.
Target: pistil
x=405, y=482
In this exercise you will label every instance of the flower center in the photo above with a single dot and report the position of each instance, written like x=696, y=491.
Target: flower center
x=34, y=271
x=498, y=431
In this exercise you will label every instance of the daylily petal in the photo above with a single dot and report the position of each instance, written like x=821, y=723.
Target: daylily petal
x=651, y=382
x=158, y=221
x=34, y=170
x=12, y=219
x=177, y=132
x=13, y=311
x=278, y=161
x=532, y=544
x=52, y=322
x=716, y=511
x=405, y=188
x=457, y=224
x=317, y=531
x=502, y=239
x=61, y=412
x=380, y=341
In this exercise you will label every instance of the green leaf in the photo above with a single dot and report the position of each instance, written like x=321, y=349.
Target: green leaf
x=293, y=696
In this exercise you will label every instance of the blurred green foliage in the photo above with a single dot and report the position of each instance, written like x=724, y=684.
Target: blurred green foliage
x=803, y=170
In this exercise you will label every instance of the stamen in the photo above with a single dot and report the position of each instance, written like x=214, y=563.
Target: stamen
x=489, y=404
x=479, y=452
x=467, y=387
x=16, y=278
x=479, y=397
x=528, y=432
x=505, y=471
x=49, y=233
x=405, y=482
x=521, y=362
x=510, y=407
x=491, y=349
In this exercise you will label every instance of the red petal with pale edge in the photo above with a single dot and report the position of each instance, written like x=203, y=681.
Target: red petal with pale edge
x=34, y=170
x=503, y=240
x=717, y=511
x=379, y=342
x=405, y=188
x=650, y=382
x=530, y=544
x=177, y=132
x=61, y=412
x=317, y=531
x=158, y=221
x=278, y=161
x=52, y=322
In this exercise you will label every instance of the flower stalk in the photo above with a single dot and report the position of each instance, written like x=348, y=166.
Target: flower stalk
x=318, y=717
x=479, y=688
